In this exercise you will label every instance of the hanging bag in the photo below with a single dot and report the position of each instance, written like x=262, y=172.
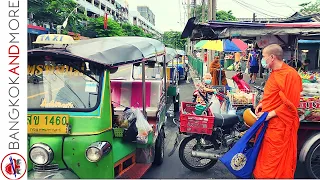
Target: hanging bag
x=241, y=158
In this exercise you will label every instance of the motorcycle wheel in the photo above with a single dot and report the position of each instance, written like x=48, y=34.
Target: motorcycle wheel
x=193, y=167
x=312, y=162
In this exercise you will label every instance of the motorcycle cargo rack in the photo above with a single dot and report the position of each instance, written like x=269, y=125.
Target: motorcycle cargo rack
x=195, y=124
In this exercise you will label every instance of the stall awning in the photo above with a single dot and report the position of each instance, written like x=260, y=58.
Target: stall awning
x=223, y=30
x=32, y=29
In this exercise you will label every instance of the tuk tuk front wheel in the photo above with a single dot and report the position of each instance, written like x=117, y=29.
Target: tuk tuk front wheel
x=312, y=162
x=159, y=151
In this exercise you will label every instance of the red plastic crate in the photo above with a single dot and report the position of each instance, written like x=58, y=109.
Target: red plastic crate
x=195, y=124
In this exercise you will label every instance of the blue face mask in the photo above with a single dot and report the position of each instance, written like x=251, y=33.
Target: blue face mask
x=207, y=81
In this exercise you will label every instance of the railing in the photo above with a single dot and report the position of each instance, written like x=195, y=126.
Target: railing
x=197, y=65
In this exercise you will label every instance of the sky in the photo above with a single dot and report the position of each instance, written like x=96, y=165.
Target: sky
x=169, y=14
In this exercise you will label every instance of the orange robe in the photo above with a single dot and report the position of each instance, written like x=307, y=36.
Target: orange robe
x=215, y=73
x=278, y=154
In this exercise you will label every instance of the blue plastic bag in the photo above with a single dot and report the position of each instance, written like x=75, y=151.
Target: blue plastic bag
x=241, y=158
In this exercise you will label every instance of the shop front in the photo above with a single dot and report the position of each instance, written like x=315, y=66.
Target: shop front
x=33, y=33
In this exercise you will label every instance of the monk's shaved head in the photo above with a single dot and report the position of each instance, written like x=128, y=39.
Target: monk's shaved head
x=274, y=49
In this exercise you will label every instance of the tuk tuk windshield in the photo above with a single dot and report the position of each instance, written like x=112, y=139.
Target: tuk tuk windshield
x=53, y=84
x=155, y=72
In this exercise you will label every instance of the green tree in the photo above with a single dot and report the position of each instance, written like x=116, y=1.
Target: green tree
x=55, y=12
x=220, y=15
x=310, y=7
x=173, y=39
x=95, y=28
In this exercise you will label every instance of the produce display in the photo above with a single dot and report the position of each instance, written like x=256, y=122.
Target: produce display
x=309, y=109
x=238, y=97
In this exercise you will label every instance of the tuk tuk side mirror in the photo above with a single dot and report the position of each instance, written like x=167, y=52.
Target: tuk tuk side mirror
x=151, y=64
x=113, y=70
x=136, y=64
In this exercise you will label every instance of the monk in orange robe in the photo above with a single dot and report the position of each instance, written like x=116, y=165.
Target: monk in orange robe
x=215, y=72
x=278, y=154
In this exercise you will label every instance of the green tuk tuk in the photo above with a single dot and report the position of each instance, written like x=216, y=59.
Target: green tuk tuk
x=76, y=124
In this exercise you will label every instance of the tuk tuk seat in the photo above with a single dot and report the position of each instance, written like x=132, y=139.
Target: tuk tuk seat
x=129, y=94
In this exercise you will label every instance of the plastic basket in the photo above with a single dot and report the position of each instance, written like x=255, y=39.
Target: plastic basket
x=118, y=132
x=195, y=124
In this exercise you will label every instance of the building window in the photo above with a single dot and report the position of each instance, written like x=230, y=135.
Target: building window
x=103, y=7
x=96, y=3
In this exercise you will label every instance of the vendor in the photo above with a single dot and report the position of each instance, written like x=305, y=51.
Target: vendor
x=205, y=88
x=215, y=72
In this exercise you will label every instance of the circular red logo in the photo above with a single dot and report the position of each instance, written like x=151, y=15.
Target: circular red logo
x=13, y=166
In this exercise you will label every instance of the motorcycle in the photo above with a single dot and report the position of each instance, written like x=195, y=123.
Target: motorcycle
x=205, y=150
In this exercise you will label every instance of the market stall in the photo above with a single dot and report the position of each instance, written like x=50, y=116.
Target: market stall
x=286, y=35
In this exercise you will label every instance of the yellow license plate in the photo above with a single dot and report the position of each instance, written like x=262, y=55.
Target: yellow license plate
x=48, y=124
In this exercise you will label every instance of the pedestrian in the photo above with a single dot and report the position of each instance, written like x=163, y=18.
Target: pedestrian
x=278, y=153
x=253, y=65
x=215, y=68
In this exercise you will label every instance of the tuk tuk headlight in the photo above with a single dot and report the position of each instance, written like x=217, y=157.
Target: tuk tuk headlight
x=97, y=150
x=41, y=154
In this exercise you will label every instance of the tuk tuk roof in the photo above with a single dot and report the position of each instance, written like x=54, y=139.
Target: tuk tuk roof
x=214, y=30
x=110, y=51
x=181, y=53
x=170, y=54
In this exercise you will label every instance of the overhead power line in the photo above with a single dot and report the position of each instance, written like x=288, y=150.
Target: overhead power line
x=260, y=9
x=253, y=10
x=280, y=5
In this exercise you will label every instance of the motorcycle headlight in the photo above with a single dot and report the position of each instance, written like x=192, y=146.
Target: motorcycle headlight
x=41, y=154
x=97, y=150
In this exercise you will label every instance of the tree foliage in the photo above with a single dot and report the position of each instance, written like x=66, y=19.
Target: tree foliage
x=310, y=7
x=220, y=15
x=173, y=39
x=55, y=12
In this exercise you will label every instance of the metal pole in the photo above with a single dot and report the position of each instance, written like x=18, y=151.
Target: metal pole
x=203, y=21
x=165, y=77
x=189, y=12
x=144, y=88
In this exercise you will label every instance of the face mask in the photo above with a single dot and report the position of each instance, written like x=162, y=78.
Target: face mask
x=207, y=81
x=264, y=63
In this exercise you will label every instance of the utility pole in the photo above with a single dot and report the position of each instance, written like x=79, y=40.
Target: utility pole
x=189, y=15
x=212, y=6
x=203, y=3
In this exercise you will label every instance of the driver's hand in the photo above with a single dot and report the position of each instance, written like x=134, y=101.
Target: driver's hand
x=257, y=110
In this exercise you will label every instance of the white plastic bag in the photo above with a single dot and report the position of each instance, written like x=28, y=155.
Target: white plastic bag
x=246, y=71
x=215, y=106
x=143, y=127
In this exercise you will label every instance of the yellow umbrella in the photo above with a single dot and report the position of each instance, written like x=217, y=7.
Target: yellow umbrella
x=216, y=45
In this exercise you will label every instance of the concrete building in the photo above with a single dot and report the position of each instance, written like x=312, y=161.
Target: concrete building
x=147, y=14
x=135, y=18
x=116, y=9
